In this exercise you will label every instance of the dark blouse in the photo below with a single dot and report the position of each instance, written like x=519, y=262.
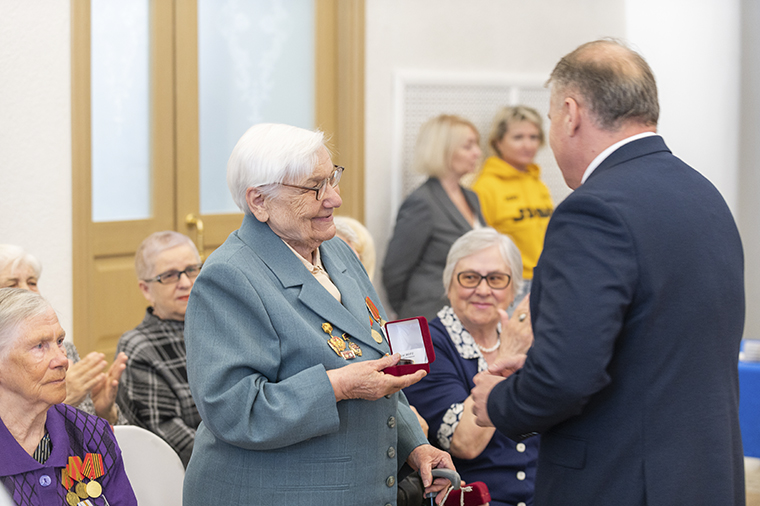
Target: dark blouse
x=507, y=467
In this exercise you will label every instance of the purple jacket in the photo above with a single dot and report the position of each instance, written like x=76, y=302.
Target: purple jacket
x=72, y=433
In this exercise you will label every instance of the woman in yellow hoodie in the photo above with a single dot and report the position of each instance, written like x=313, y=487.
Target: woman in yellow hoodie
x=513, y=198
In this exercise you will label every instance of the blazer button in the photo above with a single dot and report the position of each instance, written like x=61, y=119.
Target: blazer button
x=521, y=475
x=45, y=480
x=390, y=481
x=520, y=447
x=392, y=422
x=391, y=452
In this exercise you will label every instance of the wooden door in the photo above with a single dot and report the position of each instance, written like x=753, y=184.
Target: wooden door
x=107, y=301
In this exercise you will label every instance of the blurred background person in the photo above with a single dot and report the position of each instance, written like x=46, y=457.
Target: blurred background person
x=482, y=275
x=285, y=349
x=432, y=217
x=154, y=392
x=358, y=237
x=514, y=200
x=89, y=386
x=39, y=436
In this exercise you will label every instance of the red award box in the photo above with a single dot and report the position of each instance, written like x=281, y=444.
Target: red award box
x=410, y=338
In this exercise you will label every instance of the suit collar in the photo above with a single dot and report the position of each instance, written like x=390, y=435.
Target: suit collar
x=447, y=206
x=351, y=316
x=634, y=149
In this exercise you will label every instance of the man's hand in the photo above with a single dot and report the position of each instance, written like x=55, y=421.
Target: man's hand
x=423, y=459
x=484, y=383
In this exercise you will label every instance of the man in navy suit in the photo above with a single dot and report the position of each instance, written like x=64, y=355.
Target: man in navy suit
x=637, y=309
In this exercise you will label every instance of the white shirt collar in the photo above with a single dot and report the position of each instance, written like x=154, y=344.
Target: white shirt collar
x=607, y=152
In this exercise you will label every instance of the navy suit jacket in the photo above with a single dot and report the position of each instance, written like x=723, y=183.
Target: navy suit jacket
x=638, y=311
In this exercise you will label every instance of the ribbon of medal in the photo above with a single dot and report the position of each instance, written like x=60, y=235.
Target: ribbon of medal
x=74, y=474
x=374, y=316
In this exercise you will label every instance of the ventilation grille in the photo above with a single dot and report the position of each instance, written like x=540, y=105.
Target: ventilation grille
x=419, y=97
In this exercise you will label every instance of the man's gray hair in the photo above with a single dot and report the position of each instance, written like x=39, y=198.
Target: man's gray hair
x=13, y=255
x=268, y=154
x=616, y=83
x=17, y=306
x=155, y=243
x=476, y=241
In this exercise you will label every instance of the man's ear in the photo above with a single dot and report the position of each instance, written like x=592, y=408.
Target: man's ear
x=257, y=204
x=573, y=116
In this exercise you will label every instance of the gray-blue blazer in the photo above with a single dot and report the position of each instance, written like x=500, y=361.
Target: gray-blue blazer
x=257, y=358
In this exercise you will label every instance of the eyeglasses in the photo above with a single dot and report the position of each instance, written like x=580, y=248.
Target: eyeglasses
x=496, y=280
x=171, y=277
x=333, y=180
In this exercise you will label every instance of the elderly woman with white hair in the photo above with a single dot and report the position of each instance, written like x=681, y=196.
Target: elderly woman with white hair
x=482, y=275
x=154, y=392
x=91, y=385
x=285, y=349
x=51, y=453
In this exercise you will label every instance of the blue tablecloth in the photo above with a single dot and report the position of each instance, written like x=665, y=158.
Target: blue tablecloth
x=749, y=407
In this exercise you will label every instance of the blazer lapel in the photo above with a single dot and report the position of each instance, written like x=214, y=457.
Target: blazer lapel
x=447, y=206
x=292, y=273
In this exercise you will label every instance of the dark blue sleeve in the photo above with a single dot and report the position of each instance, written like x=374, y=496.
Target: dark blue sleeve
x=448, y=383
x=582, y=288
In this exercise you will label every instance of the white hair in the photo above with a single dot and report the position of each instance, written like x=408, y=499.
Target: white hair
x=13, y=255
x=155, y=243
x=16, y=307
x=358, y=237
x=268, y=154
x=476, y=241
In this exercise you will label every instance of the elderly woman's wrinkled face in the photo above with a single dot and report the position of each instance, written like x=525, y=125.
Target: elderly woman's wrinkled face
x=34, y=368
x=298, y=217
x=22, y=276
x=169, y=300
x=479, y=306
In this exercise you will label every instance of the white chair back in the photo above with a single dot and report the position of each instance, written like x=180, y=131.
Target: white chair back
x=153, y=467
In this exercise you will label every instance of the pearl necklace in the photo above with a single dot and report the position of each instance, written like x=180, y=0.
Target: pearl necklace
x=492, y=348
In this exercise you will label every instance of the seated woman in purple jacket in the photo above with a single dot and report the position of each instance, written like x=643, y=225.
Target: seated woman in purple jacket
x=482, y=275
x=52, y=453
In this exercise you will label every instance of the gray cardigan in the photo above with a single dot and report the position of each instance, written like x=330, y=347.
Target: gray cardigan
x=427, y=225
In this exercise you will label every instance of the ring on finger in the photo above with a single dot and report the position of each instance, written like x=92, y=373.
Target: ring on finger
x=522, y=316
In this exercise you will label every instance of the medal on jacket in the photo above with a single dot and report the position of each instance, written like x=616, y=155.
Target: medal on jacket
x=374, y=316
x=342, y=346
x=75, y=472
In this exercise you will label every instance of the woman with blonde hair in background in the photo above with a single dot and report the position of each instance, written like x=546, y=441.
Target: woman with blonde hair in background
x=514, y=199
x=433, y=216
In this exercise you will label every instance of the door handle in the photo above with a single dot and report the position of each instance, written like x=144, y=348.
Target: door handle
x=197, y=222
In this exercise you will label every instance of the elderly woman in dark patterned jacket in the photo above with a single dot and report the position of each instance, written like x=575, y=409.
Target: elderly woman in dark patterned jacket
x=154, y=392
x=52, y=453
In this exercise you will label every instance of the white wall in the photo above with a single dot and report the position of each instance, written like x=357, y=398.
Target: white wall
x=749, y=162
x=475, y=36
x=693, y=49
x=35, y=140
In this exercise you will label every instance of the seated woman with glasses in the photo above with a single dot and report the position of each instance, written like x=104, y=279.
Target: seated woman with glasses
x=154, y=392
x=482, y=275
